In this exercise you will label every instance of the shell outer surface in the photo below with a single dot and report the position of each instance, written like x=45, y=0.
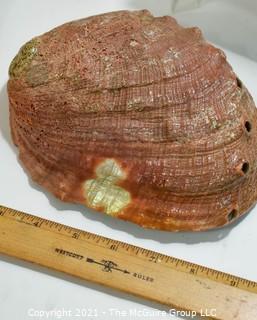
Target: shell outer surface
x=137, y=117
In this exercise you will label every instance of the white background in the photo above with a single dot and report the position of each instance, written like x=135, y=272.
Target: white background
x=232, y=249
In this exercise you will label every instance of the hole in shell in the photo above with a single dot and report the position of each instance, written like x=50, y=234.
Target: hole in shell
x=232, y=215
x=248, y=126
x=239, y=83
x=245, y=167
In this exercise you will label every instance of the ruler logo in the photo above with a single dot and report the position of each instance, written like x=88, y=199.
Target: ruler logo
x=107, y=265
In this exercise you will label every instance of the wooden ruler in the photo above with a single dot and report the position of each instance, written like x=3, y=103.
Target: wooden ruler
x=141, y=272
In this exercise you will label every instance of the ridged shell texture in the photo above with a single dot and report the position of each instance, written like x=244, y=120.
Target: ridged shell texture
x=137, y=117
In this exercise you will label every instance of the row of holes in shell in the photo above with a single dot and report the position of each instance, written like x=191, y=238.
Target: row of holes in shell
x=245, y=166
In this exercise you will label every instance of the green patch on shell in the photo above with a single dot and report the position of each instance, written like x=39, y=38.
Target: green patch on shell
x=104, y=192
x=24, y=57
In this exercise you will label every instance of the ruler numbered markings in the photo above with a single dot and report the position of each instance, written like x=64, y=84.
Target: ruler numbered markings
x=145, y=273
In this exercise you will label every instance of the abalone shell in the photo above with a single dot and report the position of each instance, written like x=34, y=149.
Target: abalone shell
x=138, y=117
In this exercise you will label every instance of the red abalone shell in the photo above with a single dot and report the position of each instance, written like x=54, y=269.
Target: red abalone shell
x=137, y=117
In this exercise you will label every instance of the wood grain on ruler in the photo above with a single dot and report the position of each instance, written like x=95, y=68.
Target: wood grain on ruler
x=135, y=270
